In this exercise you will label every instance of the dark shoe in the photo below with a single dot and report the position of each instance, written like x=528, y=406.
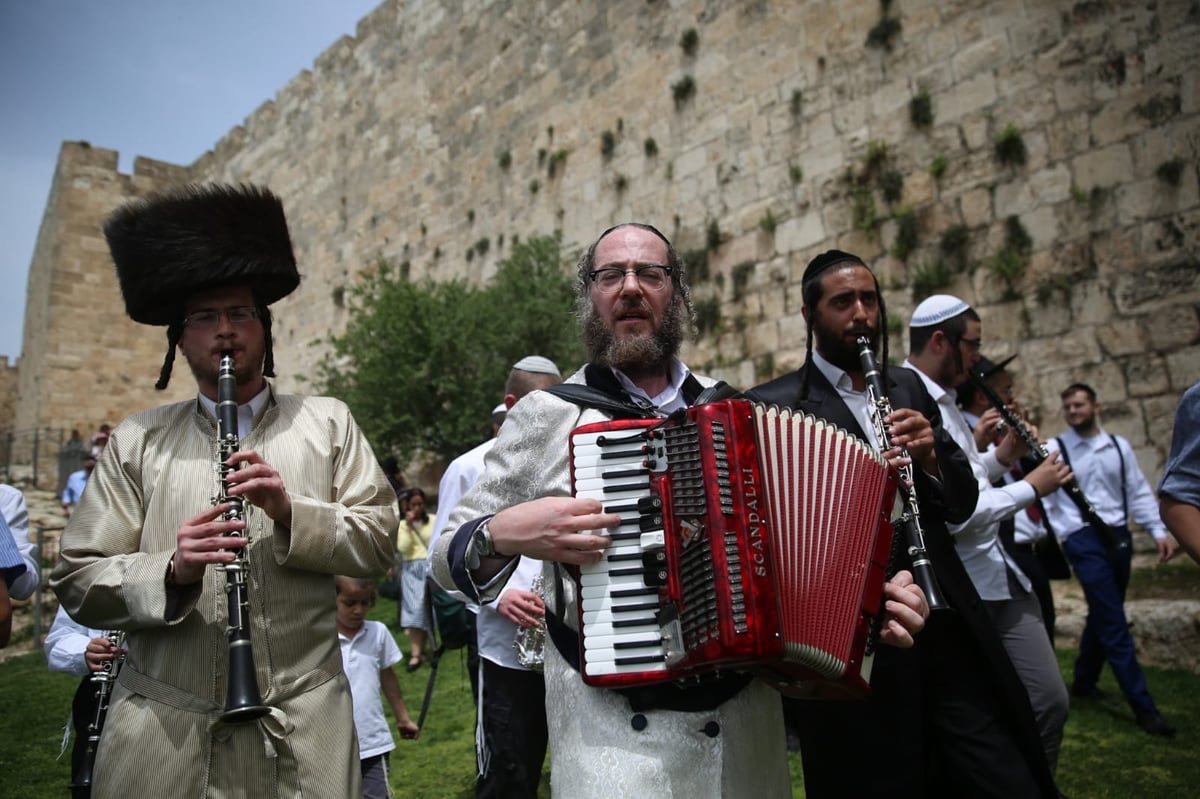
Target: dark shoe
x=1088, y=692
x=1155, y=724
x=414, y=664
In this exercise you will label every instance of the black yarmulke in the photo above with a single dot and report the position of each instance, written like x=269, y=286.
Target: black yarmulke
x=171, y=245
x=828, y=260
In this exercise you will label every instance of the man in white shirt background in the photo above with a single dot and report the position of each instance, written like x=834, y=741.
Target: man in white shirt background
x=1108, y=475
x=945, y=336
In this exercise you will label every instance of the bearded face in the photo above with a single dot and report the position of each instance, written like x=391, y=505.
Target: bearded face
x=635, y=352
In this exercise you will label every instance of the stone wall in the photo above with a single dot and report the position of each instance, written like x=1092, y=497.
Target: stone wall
x=83, y=361
x=444, y=130
x=8, y=395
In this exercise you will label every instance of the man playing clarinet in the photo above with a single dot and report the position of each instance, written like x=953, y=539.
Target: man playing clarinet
x=720, y=737
x=147, y=551
x=950, y=716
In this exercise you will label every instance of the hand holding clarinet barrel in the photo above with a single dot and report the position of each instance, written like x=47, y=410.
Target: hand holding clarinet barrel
x=910, y=522
x=1038, y=451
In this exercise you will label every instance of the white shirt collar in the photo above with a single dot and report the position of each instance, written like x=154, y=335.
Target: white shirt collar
x=246, y=413
x=670, y=399
x=836, y=375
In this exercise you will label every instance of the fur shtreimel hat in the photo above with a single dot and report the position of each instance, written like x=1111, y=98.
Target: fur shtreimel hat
x=171, y=245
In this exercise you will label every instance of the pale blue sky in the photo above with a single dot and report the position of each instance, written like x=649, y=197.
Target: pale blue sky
x=158, y=78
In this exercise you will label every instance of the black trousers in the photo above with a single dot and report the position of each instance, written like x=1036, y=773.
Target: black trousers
x=931, y=729
x=514, y=726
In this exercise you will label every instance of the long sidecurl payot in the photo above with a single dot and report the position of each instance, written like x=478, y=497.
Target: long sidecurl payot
x=168, y=246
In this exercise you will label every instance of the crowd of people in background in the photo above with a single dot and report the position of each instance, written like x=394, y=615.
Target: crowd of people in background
x=321, y=521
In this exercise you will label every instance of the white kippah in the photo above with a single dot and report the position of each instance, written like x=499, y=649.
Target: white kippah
x=537, y=365
x=937, y=309
x=501, y=408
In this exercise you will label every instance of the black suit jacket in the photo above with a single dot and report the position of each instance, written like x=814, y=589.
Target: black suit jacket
x=958, y=663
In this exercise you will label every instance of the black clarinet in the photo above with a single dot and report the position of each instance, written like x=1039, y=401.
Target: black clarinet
x=1039, y=453
x=81, y=787
x=243, y=702
x=910, y=520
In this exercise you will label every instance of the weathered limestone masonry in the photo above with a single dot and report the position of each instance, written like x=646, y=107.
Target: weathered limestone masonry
x=444, y=130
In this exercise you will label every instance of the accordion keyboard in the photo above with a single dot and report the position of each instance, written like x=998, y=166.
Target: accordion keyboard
x=618, y=596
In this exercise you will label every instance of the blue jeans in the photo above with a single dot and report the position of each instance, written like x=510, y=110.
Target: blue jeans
x=1104, y=577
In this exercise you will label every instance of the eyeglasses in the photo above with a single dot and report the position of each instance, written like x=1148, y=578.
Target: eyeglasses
x=210, y=318
x=973, y=344
x=651, y=277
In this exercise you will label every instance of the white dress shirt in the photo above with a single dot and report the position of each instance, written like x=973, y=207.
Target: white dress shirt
x=1097, y=467
x=977, y=540
x=66, y=644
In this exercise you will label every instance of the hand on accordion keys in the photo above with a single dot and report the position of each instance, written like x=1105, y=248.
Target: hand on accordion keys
x=905, y=611
x=553, y=528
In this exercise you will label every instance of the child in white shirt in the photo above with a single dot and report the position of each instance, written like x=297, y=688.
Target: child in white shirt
x=368, y=654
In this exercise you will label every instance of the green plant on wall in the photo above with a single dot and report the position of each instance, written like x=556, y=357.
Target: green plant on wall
x=953, y=246
x=876, y=159
x=683, y=90
x=712, y=234
x=1171, y=172
x=797, y=102
x=608, y=143
x=697, y=264
x=796, y=173
x=1010, y=146
x=937, y=167
x=920, y=109
x=741, y=278
x=620, y=183
x=929, y=278
x=1010, y=262
x=557, y=161
x=883, y=33
x=504, y=159
x=689, y=41
x=650, y=147
x=1051, y=286
x=891, y=183
x=708, y=315
x=767, y=223
x=862, y=207
x=906, y=234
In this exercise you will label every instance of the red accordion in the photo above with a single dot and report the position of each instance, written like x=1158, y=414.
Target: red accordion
x=751, y=538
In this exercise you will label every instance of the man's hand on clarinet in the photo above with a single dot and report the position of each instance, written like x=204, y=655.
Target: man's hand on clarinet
x=204, y=539
x=553, y=528
x=905, y=610
x=258, y=483
x=910, y=429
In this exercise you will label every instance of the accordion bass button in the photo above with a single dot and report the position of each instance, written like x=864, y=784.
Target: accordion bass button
x=638, y=722
x=712, y=729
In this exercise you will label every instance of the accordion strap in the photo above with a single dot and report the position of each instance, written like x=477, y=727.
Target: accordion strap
x=604, y=393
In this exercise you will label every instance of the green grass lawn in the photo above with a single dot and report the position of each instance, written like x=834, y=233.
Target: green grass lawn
x=1104, y=754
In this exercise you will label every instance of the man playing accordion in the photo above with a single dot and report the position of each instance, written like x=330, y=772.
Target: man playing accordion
x=722, y=737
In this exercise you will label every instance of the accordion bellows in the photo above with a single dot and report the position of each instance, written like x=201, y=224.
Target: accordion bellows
x=171, y=245
x=752, y=538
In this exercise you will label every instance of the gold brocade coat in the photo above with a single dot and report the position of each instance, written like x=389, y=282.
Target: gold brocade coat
x=161, y=737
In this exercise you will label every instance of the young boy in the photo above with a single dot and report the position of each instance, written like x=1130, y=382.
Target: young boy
x=368, y=654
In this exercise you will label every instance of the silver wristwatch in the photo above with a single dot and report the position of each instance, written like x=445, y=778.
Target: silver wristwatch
x=481, y=541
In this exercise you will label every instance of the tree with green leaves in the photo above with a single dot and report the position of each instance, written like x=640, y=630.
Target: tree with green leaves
x=422, y=363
